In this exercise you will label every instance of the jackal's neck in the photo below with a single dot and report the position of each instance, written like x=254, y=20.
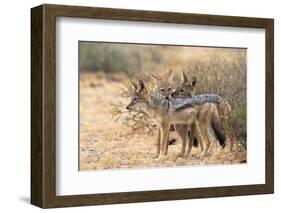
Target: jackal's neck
x=156, y=105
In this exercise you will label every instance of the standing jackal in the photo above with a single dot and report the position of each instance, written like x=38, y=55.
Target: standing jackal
x=210, y=120
x=165, y=89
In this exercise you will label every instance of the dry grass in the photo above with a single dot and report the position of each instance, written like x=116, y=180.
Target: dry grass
x=109, y=144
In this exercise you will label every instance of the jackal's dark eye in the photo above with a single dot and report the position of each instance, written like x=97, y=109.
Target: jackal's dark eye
x=169, y=89
x=181, y=90
x=162, y=90
x=135, y=98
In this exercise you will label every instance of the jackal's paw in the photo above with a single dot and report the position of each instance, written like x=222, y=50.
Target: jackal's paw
x=180, y=155
x=156, y=156
x=186, y=156
x=206, y=154
x=202, y=154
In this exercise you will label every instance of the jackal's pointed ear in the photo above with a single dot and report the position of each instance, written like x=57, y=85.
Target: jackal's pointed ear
x=142, y=89
x=194, y=81
x=184, y=78
x=140, y=86
x=134, y=85
x=169, y=74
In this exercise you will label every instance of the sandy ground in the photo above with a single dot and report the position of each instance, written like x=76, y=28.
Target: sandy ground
x=106, y=144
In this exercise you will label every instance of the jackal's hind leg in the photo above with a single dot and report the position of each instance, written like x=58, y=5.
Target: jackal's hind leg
x=190, y=141
x=200, y=138
x=207, y=142
x=182, y=131
x=201, y=146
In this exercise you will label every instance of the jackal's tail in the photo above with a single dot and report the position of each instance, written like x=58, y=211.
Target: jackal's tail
x=218, y=130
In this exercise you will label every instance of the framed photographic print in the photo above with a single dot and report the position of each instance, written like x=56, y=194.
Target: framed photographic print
x=136, y=106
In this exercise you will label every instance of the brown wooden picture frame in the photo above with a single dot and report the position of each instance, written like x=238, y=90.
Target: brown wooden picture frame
x=43, y=105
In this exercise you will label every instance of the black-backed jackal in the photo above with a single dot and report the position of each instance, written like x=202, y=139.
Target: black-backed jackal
x=210, y=119
x=158, y=109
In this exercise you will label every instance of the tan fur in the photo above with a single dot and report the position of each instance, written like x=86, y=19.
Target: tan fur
x=199, y=123
x=207, y=113
x=186, y=89
x=164, y=83
x=164, y=87
x=224, y=109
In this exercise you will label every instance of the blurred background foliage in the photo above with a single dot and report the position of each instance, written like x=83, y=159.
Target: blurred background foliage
x=219, y=70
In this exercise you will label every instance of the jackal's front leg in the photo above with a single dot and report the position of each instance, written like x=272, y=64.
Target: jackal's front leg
x=158, y=144
x=167, y=142
x=164, y=140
